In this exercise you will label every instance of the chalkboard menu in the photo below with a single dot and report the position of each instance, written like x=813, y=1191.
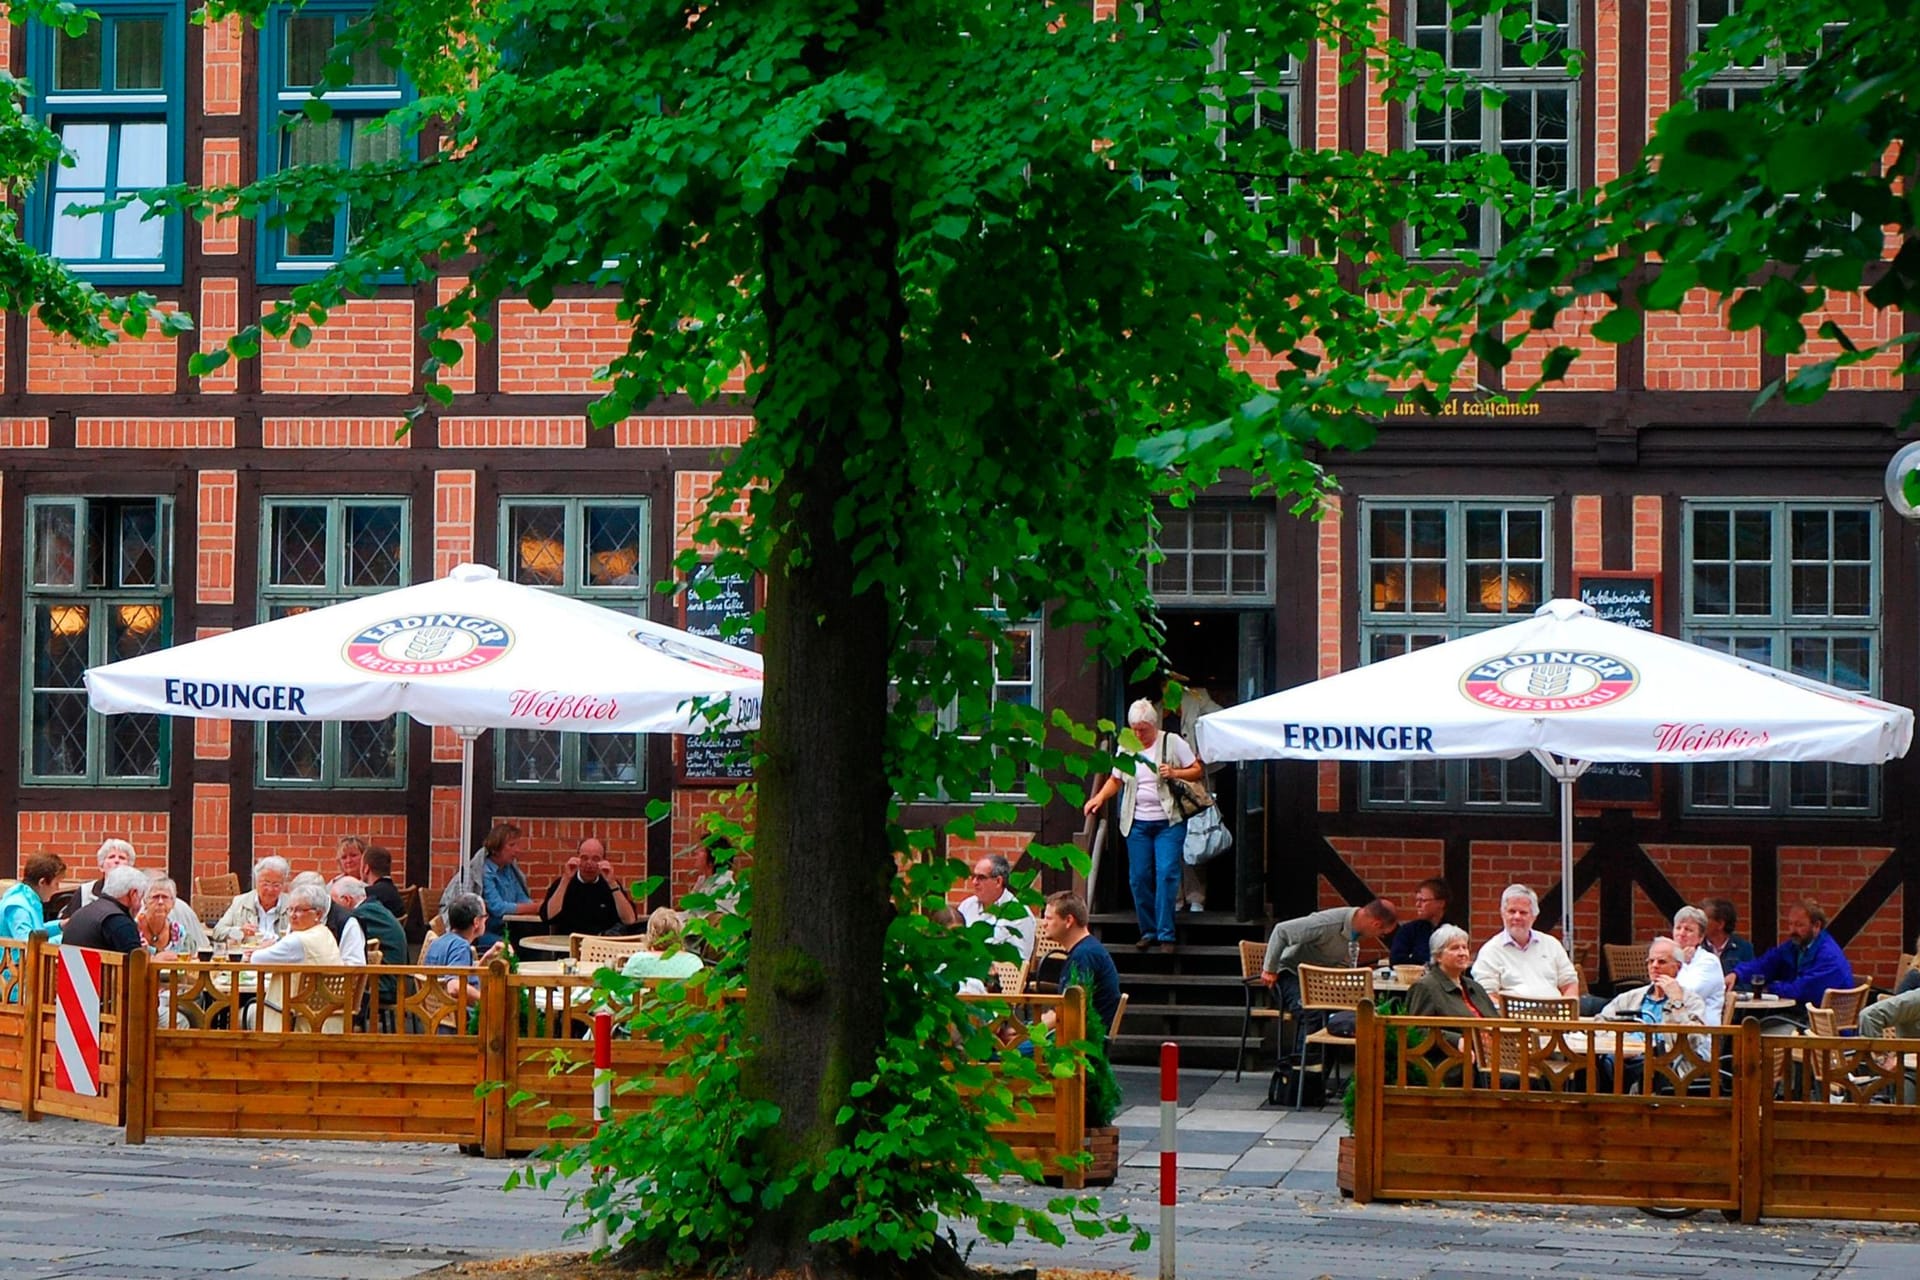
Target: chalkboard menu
x=718, y=757
x=1630, y=599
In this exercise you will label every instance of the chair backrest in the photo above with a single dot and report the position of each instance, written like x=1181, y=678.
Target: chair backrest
x=1009, y=977
x=597, y=953
x=413, y=912
x=1550, y=1008
x=227, y=882
x=1626, y=963
x=1846, y=1003
x=1327, y=988
x=1253, y=954
x=375, y=956
x=212, y=895
x=1119, y=1012
x=1822, y=1022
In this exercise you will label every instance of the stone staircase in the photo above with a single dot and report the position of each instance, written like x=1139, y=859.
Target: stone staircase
x=1192, y=996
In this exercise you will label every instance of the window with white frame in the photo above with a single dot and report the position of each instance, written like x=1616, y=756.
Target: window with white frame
x=1213, y=555
x=99, y=589
x=317, y=551
x=1793, y=585
x=1528, y=118
x=115, y=95
x=1262, y=102
x=1436, y=570
x=594, y=549
x=1741, y=84
x=1015, y=654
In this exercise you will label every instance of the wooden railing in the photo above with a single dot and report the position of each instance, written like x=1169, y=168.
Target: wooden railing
x=29, y=1013
x=13, y=1021
x=1558, y=1112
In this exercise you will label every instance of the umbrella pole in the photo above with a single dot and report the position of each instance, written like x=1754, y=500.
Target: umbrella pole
x=467, y=734
x=1566, y=859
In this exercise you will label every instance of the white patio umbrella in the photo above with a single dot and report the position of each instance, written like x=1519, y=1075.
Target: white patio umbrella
x=1572, y=690
x=469, y=650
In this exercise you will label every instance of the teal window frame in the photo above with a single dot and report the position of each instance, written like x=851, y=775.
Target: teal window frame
x=1762, y=623
x=58, y=108
x=280, y=101
x=1469, y=601
x=100, y=598
x=277, y=599
x=571, y=576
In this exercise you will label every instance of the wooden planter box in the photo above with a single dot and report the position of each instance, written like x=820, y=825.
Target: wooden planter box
x=1105, y=1146
x=1343, y=1171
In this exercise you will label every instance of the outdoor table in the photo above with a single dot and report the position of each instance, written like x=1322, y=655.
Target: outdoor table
x=1761, y=1003
x=543, y=968
x=553, y=944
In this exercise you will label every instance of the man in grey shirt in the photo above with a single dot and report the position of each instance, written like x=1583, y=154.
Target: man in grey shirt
x=1324, y=938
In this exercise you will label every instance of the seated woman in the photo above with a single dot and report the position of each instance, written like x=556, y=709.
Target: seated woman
x=307, y=941
x=665, y=956
x=1449, y=990
x=23, y=908
x=168, y=925
x=259, y=915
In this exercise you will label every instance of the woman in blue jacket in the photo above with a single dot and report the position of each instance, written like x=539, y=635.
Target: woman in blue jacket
x=23, y=908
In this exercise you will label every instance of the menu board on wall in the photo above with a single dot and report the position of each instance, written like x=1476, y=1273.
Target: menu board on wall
x=1632, y=600
x=719, y=757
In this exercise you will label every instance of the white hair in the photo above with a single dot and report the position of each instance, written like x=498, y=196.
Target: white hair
x=121, y=881
x=1144, y=711
x=1520, y=891
x=308, y=877
x=1443, y=937
x=114, y=846
x=351, y=888
x=1671, y=946
x=158, y=883
x=1693, y=914
x=272, y=862
x=312, y=895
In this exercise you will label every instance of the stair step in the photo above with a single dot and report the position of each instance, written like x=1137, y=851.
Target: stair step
x=1134, y=979
x=1130, y=1040
x=1137, y=1009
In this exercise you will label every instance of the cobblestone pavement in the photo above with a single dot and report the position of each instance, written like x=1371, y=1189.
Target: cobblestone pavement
x=1257, y=1199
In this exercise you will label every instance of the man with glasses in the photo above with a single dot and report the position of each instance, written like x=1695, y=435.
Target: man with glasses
x=1414, y=937
x=993, y=900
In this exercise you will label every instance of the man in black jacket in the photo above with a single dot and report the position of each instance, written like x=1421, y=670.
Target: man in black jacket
x=586, y=898
x=106, y=923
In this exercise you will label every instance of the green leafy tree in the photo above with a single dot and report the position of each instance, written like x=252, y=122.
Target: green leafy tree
x=988, y=265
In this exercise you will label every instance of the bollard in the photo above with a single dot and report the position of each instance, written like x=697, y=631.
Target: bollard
x=1169, y=1157
x=602, y=1102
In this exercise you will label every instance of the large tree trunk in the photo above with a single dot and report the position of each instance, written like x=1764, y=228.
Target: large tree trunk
x=822, y=866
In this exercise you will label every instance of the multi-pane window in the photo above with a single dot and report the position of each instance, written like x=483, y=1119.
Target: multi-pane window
x=1528, y=119
x=1262, y=101
x=113, y=95
x=1790, y=585
x=1437, y=570
x=299, y=44
x=1213, y=555
x=314, y=552
x=1742, y=83
x=99, y=589
x=1015, y=654
x=595, y=549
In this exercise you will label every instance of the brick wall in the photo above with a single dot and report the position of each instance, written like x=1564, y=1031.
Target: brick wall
x=153, y=433
x=692, y=807
x=681, y=433
x=1586, y=533
x=1866, y=326
x=212, y=739
x=21, y=433
x=130, y=367
x=1390, y=868
x=559, y=349
x=220, y=65
x=334, y=433
x=551, y=841
x=212, y=834
x=1594, y=370
x=1496, y=864
x=75, y=835
x=1692, y=350
x=1330, y=657
x=308, y=840
x=219, y=494
x=513, y=433
x=366, y=345
x=219, y=320
x=220, y=167
x=1830, y=876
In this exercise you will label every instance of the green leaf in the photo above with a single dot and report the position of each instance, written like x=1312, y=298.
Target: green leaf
x=1622, y=324
x=1805, y=158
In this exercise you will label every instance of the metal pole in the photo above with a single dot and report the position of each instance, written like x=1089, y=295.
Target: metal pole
x=602, y=1104
x=467, y=734
x=1566, y=859
x=1169, y=1151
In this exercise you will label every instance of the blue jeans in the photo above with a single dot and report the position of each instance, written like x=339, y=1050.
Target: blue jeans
x=1153, y=872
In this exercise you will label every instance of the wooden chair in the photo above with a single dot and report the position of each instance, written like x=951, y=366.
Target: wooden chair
x=1330, y=991
x=1845, y=1004
x=1547, y=1009
x=1009, y=977
x=598, y=953
x=212, y=895
x=413, y=912
x=1258, y=997
x=1119, y=1012
x=1626, y=964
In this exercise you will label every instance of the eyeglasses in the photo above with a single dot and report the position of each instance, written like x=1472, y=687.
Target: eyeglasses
x=983, y=875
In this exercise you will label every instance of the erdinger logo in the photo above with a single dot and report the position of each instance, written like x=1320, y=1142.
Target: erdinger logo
x=694, y=655
x=1549, y=681
x=429, y=644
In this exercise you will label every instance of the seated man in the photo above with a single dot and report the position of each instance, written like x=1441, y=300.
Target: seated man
x=1412, y=941
x=1520, y=960
x=1663, y=1001
x=994, y=901
x=1088, y=964
x=1331, y=938
x=107, y=923
x=585, y=897
x=1804, y=967
x=466, y=923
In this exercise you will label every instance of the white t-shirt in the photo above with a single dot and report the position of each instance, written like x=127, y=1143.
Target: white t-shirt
x=1146, y=775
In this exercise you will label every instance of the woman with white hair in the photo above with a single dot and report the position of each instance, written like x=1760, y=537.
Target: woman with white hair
x=1448, y=988
x=306, y=940
x=260, y=914
x=111, y=853
x=1700, y=970
x=168, y=925
x=1153, y=827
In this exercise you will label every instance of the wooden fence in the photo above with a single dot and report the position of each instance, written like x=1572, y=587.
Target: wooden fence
x=13, y=1022
x=29, y=1012
x=1561, y=1112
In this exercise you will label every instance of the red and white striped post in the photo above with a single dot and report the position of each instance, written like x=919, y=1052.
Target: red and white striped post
x=602, y=1100
x=1169, y=1151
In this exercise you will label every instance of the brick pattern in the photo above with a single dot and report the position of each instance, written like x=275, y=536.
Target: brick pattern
x=1660, y=60
x=1691, y=349
x=1390, y=868
x=1699, y=872
x=513, y=433
x=307, y=840
x=220, y=167
x=220, y=65
x=443, y=841
x=1378, y=108
x=1596, y=368
x=692, y=806
x=682, y=433
x=219, y=507
x=459, y=378
x=212, y=739
x=1011, y=845
x=1586, y=533
x=452, y=521
x=1495, y=864
x=1649, y=515
x=690, y=491
x=1326, y=95
x=153, y=433
x=21, y=433
x=1866, y=326
x=1329, y=626
x=75, y=834
x=557, y=351
x=219, y=320
x=57, y=366
x=1606, y=71
x=334, y=433
x=367, y=345
x=1830, y=877
x=212, y=834
x=551, y=841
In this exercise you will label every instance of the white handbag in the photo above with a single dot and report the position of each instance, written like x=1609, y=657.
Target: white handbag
x=1207, y=837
